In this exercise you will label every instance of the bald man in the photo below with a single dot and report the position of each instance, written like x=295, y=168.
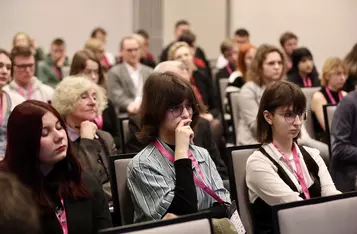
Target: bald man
x=203, y=135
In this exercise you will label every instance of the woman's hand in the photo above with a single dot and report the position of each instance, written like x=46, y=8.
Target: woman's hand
x=169, y=216
x=88, y=130
x=183, y=137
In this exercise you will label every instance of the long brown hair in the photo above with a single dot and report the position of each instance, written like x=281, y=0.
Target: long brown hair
x=255, y=71
x=24, y=131
x=78, y=65
x=161, y=92
x=351, y=61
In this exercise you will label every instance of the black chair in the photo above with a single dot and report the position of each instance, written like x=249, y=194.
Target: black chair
x=117, y=217
x=124, y=128
x=198, y=223
x=329, y=111
x=323, y=215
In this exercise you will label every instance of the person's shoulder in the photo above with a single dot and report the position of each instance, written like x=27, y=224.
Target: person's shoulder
x=15, y=98
x=249, y=87
x=90, y=183
x=116, y=68
x=146, y=68
x=104, y=135
x=348, y=100
x=318, y=96
x=144, y=157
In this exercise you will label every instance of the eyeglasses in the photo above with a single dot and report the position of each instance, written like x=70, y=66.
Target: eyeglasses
x=290, y=117
x=24, y=66
x=176, y=111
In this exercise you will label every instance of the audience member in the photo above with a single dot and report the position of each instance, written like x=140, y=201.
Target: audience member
x=96, y=46
x=245, y=56
x=265, y=69
x=351, y=63
x=79, y=101
x=22, y=39
x=229, y=51
x=107, y=59
x=344, y=144
x=303, y=71
x=289, y=43
x=167, y=120
x=24, y=82
x=8, y=100
x=241, y=36
x=181, y=26
x=199, y=61
x=68, y=200
x=333, y=79
x=203, y=134
x=18, y=210
x=143, y=53
x=145, y=48
x=50, y=71
x=85, y=64
x=281, y=171
x=125, y=80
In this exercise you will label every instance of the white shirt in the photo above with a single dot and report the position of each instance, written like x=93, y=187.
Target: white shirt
x=221, y=62
x=263, y=180
x=136, y=78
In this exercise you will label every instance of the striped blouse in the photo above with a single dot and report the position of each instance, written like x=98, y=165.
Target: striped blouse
x=151, y=182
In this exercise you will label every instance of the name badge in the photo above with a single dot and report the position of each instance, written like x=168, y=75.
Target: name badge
x=235, y=218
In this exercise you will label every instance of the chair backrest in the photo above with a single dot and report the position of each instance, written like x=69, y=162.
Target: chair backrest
x=222, y=85
x=123, y=206
x=237, y=161
x=329, y=111
x=309, y=125
x=233, y=102
x=199, y=223
x=124, y=127
x=324, y=215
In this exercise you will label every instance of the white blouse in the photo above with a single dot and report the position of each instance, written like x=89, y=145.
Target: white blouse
x=263, y=180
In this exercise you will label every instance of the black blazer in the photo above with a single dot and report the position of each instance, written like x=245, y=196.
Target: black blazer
x=83, y=216
x=110, y=124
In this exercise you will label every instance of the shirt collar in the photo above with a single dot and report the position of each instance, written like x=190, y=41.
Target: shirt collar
x=131, y=69
x=277, y=155
x=73, y=134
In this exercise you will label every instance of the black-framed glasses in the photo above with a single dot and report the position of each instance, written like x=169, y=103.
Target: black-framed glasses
x=176, y=111
x=290, y=116
x=24, y=66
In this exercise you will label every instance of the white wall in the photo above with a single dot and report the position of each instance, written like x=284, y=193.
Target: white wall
x=207, y=18
x=326, y=27
x=71, y=19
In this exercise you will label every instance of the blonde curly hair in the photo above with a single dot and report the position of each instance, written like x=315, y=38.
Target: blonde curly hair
x=69, y=90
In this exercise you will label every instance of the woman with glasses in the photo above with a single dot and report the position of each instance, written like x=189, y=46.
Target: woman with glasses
x=84, y=63
x=281, y=171
x=166, y=178
x=334, y=73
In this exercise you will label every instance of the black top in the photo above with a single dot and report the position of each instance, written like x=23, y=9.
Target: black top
x=320, y=133
x=83, y=215
x=350, y=83
x=225, y=72
x=294, y=77
x=110, y=124
x=205, y=86
x=262, y=212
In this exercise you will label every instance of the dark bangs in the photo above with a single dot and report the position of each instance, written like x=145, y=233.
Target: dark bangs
x=285, y=94
x=299, y=54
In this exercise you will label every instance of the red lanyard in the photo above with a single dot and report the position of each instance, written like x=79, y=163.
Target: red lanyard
x=58, y=72
x=22, y=93
x=62, y=218
x=105, y=62
x=198, y=182
x=229, y=70
x=307, y=81
x=298, y=172
x=333, y=101
x=99, y=121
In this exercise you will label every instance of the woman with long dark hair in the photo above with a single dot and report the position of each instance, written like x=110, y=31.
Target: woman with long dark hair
x=39, y=155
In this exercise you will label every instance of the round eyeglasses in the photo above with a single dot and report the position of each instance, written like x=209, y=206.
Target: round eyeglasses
x=290, y=116
x=176, y=111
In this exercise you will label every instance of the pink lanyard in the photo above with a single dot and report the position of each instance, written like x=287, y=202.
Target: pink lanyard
x=298, y=171
x=333, y=101
x=229, y=70
x=198, y=182
x=57, y=71
x=1, y=116
x=62, y=218
x=99, y=121
x=307, y=81
x=29, y=92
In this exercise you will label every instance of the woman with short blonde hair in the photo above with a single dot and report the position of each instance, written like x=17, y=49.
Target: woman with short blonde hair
x=334, y=73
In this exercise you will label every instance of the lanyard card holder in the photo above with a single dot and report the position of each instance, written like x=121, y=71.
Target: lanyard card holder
x=233, y=216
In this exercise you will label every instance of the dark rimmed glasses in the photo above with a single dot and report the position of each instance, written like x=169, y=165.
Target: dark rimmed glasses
x=176, y=111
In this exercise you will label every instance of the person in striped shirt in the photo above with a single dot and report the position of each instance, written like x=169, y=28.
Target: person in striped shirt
x=171, y=176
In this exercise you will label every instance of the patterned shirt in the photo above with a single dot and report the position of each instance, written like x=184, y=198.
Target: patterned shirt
x=151, y=182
